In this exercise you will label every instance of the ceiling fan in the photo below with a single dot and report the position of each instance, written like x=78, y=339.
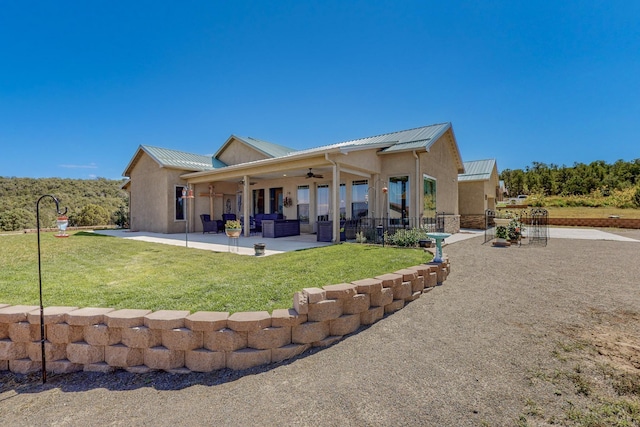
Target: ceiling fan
x=313, y=175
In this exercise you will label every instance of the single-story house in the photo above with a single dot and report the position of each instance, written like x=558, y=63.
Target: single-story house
x=478, y=190
x=403, y=176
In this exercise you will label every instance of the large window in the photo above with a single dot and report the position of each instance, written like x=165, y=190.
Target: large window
x=359, y=202
x=399, y=199
x=303, y=204
x=276, y=200
x=179, y=203
x=258, y=201
x=322, y=202
x=429, y=197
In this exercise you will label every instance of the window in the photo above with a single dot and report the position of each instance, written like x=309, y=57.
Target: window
x=359, y=202
x=258, y=201
x=322, y=202
x=429, y=197
x=399, y=199
x=276, y=200
x=179, y=203
x=303, y=204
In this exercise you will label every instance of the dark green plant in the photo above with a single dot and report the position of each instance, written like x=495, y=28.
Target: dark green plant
x=636, y=197
x=501, y=232
x=514, y=230
x=406, y=237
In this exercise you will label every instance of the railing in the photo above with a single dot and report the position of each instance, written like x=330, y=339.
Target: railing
x=374, y=229
x=534, y=224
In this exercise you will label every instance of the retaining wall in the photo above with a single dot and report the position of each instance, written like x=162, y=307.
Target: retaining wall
x=596, y=222
x=104, y=339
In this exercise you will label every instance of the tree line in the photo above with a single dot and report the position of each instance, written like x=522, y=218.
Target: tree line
x=578, y=180
x=89, y=202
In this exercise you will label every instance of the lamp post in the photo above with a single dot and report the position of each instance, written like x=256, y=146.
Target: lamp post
x=60, y=226
x=187, y=193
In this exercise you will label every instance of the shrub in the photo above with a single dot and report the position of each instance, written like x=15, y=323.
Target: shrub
x=406, y=237
x=636, y=197
x=92, y=215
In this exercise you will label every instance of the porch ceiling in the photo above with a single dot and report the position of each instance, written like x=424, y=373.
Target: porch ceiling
x=269, y=170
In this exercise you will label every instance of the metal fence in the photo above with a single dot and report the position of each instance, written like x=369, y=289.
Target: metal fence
x=374, y=229
x=534, y=224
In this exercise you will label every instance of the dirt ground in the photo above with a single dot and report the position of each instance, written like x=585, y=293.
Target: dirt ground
x=521, y=336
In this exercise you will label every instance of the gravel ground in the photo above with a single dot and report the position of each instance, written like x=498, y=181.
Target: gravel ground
x=508, y=340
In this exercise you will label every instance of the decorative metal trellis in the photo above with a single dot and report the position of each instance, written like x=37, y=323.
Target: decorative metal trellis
x=489, y=225
x=534, y=224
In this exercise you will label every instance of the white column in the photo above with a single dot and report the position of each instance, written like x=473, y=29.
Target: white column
x=246, y=206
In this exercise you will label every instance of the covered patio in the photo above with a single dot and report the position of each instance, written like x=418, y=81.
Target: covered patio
x=220, y=242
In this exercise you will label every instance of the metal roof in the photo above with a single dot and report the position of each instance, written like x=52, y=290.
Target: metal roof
x=179, y=159
x=477, y=170
x=409, y=139
x=268, y=148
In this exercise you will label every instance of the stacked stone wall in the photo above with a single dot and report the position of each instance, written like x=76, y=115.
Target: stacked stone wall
x=597, y=222
x=105, y=339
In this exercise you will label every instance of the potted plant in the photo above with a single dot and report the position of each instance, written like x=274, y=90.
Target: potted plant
x=501, y=236
x=513, y=231
x=233, y=228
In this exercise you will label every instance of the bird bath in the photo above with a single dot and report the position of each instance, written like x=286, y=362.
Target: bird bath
x=438, y=237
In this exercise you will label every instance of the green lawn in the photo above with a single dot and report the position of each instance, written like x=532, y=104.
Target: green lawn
x=89, y=270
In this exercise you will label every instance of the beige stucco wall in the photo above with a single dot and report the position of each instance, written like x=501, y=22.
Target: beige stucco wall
x=439, y=162
x=471, y=197
x=238, y=152
x=475, y=197
x=152, y=197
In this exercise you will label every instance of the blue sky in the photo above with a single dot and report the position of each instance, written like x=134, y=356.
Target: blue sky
x=82, y=84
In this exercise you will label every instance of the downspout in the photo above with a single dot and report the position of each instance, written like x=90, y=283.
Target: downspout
x=335, y=213
x=418, y=211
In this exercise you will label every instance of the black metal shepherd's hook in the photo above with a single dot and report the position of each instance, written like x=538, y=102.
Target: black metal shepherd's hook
x=44, y=365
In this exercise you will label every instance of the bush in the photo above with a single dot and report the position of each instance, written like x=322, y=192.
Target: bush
x=92, y=215
x=406, y=237
x=636, y=197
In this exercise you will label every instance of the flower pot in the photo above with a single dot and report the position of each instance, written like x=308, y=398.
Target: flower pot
x=501, y=222
x=424, y=243
x=259, y=248
x=233, y=232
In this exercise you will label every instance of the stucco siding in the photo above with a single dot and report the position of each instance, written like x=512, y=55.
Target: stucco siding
x=237, y=152
x=471, y=197
x=439, y=162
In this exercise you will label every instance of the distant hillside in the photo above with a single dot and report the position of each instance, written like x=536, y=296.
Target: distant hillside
x=89, y=202
x=576, y=180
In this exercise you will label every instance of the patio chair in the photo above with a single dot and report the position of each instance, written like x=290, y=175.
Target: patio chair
x=228, y=217
x=210, y=225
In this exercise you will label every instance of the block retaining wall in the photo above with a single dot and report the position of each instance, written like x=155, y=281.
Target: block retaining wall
x=597, y=222
x=478, y=222
x=139, y=341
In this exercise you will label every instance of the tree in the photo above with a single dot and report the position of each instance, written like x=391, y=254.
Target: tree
x=92, y=215
x=17, y=219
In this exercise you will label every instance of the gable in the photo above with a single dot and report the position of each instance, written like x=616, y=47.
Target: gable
x=479, y=170
x=237, y=150
x=174, y=159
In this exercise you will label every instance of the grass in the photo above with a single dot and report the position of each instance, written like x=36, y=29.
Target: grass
x=589, y=394
x=89, y=270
